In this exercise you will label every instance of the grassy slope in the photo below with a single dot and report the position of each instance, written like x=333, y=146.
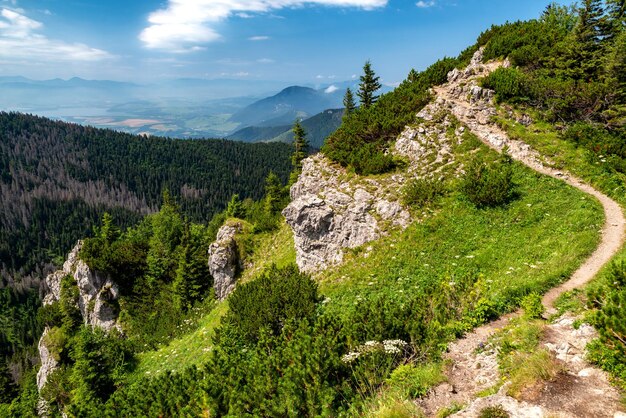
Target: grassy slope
x=195, y=348
x=545, y=138
x=531, y=244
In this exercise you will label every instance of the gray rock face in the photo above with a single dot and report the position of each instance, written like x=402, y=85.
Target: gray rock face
x=96, y=291
x=330, y=213
x=48, y=363
x=96, y=300
x=224, y=260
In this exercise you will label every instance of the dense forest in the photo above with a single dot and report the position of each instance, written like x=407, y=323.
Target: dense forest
x=284, y=349
x=58, y=178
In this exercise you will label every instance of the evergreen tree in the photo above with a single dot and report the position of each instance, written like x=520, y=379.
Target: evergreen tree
x=108, y=231
x=616, y=17
x=192, y=276
x=7, y=388
x=301, y=146
x=584, y=50
x=235, y=207
x=369, y=86
x=348, y=102
x=273, y=193
x=413, y=76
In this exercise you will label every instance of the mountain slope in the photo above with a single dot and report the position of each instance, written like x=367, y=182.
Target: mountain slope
x=284, y=107
x=317, y=129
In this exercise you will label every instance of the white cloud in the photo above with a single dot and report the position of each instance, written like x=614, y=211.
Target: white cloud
x=331, y=89
x=265, y=61
x=425, y=4
x=237, y=74
x=185, y=23
x=19, y=40
x=319, y=76
x=259, y=38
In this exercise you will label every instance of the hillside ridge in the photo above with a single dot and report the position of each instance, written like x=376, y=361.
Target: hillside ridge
x=473, y=371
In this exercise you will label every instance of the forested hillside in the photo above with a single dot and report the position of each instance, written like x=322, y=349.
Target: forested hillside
x=57, y=179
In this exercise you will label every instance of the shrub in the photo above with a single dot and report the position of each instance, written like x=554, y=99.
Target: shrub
x=610, y=321
x=422, y=191
x=532, y=306
x=413, y=381
x=269, y=302
x=496, y=411
x=508, y=83
x=489, y=184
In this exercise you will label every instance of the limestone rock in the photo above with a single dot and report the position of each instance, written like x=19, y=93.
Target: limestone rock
x=224, y=263
x=330, y=212
x=97, y=295
x=48, y=363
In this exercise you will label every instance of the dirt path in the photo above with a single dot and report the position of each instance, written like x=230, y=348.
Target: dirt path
x=472, y=106
x=472, y=371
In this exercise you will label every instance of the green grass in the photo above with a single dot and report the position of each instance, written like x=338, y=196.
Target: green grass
x=532, y=244
x=545, y=138
x=192, y=349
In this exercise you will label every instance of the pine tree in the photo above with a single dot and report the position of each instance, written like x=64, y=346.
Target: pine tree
x=348, y=102
x=192, y=276
x=583, y=54
x=301, y=146
x=369, y=85
x=273, y=193
x=235, y=208
x=616, y=17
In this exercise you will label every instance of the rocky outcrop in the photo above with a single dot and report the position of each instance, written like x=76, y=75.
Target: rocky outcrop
x=224, y=263
x=330, y=212
x=48, y=362
x=97, y=295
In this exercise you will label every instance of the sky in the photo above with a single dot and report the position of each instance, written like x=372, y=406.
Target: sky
x=296, y=41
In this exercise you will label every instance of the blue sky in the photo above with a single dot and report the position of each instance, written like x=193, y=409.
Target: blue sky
x=296, y=41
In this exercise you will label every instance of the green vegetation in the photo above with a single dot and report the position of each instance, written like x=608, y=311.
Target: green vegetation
x=493, y=412
x=362, y=338
x=348, y=102
x=520, y=360
x=608, y=299
x=363, y=137
x=368, y=87
x=489, y=184
x=82, y=182
x=421, y=192
x=301, y=147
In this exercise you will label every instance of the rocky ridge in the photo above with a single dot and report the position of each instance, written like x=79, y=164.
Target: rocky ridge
x=96, y=300
x=332, y=210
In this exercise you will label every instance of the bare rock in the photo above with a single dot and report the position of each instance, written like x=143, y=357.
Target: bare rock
x=48, y=363
x=224, y=263
x=97, y=301
x=330, y=212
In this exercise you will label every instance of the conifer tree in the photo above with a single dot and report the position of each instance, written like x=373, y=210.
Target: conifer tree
x=192, y=276
x=583, y=54
x=273, y=193
x=301, y=146
x=616, y=17
x=348, y=102
x=369, y=86
x=235, y=207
